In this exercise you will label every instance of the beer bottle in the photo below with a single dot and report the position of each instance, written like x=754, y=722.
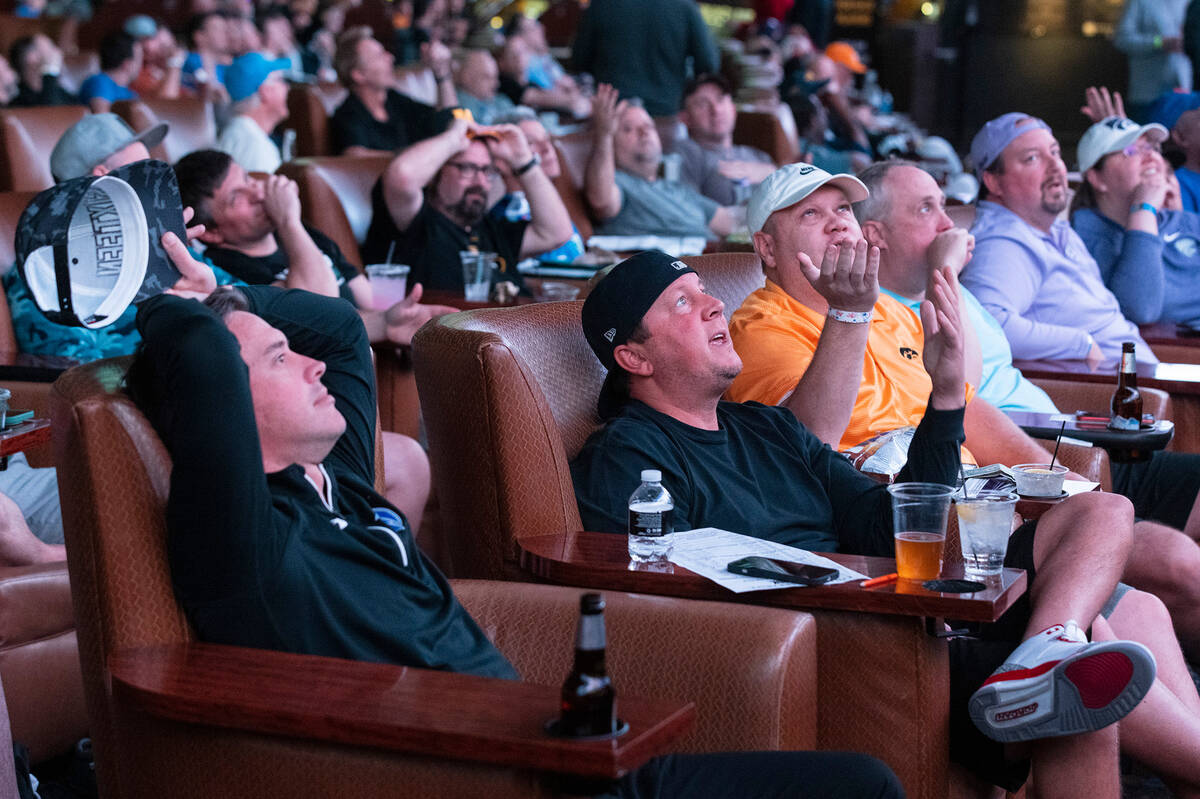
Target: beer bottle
x=588, y=700
x=1127, y=400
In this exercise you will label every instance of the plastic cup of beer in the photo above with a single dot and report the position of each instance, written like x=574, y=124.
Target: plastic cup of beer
x=984, y=525
x=477, y=274
x=389, y=284
x=1039, y=479
x=919, y=513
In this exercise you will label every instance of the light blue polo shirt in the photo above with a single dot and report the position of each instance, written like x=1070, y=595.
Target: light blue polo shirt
x=1003, y=384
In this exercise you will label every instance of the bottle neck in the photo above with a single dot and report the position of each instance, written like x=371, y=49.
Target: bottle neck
x=1128, y=364
x=590, y=644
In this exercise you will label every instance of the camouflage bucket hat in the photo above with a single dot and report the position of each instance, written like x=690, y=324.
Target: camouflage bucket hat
x=88, y=248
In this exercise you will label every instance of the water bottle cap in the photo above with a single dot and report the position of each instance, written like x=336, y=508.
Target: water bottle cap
x=651, y=476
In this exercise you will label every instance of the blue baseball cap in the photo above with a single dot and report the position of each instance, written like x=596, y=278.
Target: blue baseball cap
x=247, y=73
x=993, y=137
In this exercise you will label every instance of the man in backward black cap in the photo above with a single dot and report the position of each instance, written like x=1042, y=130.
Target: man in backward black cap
x=754, y=469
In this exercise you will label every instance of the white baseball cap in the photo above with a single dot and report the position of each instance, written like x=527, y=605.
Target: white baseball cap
x=790, y=184
x=1112, y=134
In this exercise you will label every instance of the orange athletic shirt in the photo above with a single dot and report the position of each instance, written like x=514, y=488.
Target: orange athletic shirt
x=776, y=335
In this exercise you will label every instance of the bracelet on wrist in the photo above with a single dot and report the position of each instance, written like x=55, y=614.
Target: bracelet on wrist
x=850, y=317
x=521, y=170
x=1143, y=207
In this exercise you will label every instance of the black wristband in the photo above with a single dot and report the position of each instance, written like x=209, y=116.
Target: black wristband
x=521, y=170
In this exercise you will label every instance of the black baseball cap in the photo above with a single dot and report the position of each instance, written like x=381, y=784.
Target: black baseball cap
x=615, y=307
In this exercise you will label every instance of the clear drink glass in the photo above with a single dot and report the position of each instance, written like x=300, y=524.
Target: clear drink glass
x=984, y=525
x=389, y=284
x=919, y=512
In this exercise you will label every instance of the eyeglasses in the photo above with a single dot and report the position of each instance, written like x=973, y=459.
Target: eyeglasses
x=469, y=171
x=1141, y=148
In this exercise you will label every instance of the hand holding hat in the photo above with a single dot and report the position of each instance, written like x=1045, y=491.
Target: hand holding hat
x=196, y=280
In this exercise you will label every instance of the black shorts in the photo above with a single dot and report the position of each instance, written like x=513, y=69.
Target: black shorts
x=1162, y=489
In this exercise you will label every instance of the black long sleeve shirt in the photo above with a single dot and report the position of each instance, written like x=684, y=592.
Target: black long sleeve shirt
x=262, y=559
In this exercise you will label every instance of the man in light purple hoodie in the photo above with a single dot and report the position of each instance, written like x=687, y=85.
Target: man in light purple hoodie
x=1030, y=269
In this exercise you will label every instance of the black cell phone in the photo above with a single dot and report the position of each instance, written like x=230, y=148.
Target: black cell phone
x=799, y=573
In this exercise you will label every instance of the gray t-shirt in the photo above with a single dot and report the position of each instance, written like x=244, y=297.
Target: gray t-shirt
x=661, y=208
x=699, y=169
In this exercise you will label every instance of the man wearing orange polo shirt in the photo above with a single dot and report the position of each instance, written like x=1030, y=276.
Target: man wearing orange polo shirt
x=820, y=340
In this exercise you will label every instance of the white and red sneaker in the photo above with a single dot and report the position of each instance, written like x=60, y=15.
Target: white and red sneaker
x=1056, y=683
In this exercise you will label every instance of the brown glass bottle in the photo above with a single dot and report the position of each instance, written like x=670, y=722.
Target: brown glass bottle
x=589, y=703
x=1127, y=400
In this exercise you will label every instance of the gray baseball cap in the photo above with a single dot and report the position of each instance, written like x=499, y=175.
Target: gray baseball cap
x=92, y=139
x=996, y=135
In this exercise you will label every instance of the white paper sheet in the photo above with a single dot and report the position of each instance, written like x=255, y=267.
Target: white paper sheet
x=1073, y=487
x=707, y=551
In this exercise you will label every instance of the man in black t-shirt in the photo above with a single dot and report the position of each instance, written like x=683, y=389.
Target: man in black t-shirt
x=375, y=119
x=756, y=470
x=432, y=202
x=253, y=231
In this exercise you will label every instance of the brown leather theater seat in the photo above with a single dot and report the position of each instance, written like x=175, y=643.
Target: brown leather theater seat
x=309, y=108
x=572, y=195
x=764, y=131
x=27, y=137
x=335, y=195
x=192, y=124
x=750, y=670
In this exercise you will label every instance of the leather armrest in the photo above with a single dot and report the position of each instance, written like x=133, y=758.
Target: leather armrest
x=39, y=659
x=35, y=602
x=750, y=670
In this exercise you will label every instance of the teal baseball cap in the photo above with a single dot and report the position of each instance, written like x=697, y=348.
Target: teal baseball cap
x=247, y=73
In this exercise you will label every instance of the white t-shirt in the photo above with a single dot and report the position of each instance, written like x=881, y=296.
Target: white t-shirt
x=249, y=145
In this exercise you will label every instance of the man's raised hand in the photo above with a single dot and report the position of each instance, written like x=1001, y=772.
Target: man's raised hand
x=944, y=356
x=848, y=277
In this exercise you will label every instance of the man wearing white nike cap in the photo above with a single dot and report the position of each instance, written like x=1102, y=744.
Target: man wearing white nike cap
x=1148, y=256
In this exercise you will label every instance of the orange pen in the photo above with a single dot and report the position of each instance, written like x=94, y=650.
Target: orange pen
x=881, y=580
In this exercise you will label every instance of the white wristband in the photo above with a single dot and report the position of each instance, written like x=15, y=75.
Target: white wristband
x=850, y=317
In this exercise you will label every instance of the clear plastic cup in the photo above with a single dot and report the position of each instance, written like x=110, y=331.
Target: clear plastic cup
x=477, y=274
x=389, y=284
x=984, y=525
x=1039, y=479
x=919, y=513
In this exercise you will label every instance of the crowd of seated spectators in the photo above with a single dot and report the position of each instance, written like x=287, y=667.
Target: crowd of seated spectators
x=480, y=132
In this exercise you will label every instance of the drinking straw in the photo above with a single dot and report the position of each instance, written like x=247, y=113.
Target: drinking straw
x=1057, y=441
x=391, y=249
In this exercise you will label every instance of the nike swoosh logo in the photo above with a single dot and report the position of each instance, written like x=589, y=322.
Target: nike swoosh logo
x=1170, y=237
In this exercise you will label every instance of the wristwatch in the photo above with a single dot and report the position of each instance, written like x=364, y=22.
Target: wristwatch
x=521, y=170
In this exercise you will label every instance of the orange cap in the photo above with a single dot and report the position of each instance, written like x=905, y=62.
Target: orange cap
x=845, y=54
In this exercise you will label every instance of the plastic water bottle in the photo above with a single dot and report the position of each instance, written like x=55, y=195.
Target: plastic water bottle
x=651, y=520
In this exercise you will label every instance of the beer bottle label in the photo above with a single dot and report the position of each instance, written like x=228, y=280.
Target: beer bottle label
x=651, y=524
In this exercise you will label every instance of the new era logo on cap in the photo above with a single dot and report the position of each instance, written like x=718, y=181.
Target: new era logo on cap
x=610, y=334
x=677, y=265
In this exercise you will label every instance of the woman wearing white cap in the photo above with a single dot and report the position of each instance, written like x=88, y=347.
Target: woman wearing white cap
x=1149, y=257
